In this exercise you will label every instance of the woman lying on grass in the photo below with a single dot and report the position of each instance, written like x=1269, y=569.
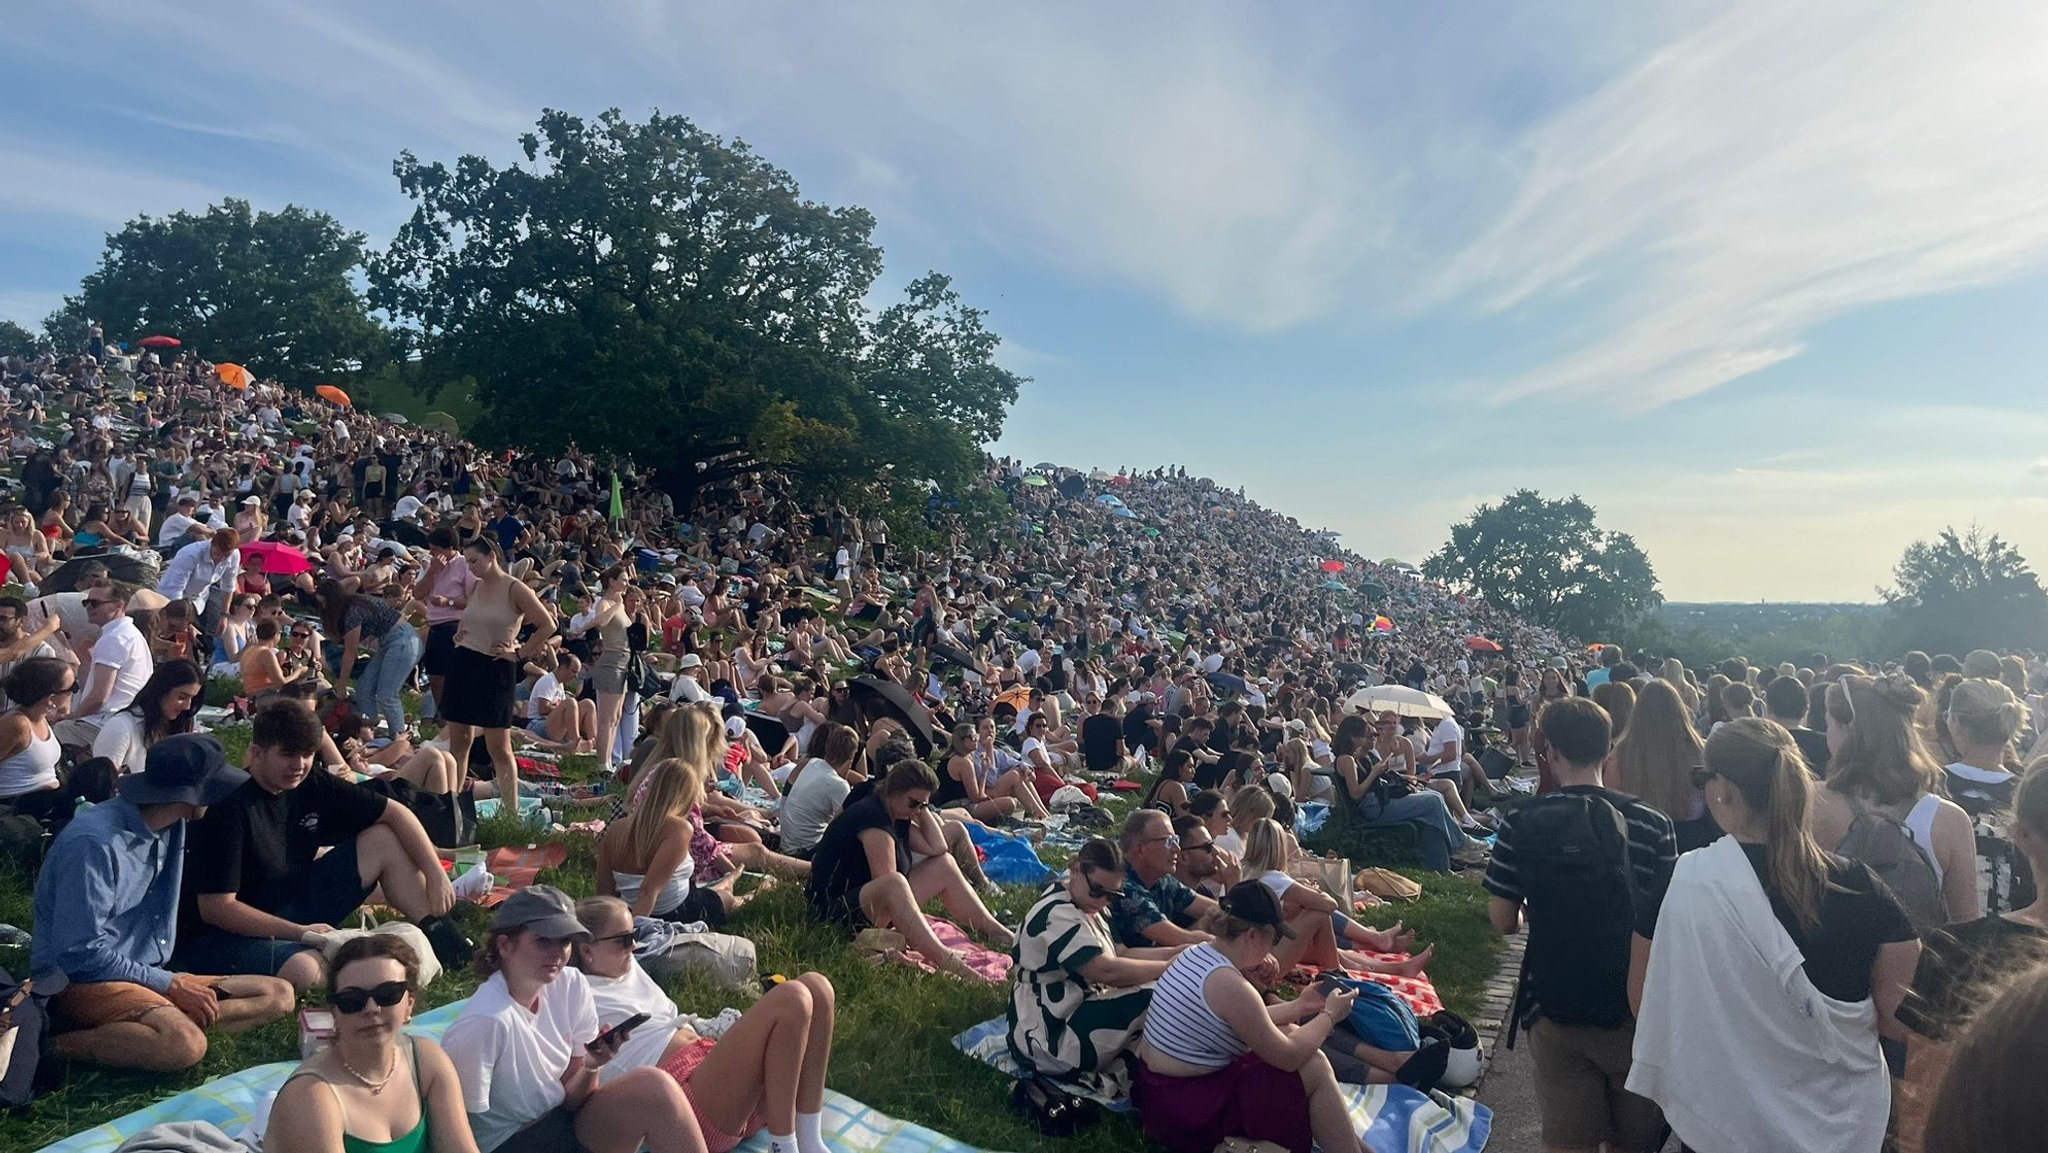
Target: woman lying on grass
x=862, y=873
x=767, y=1070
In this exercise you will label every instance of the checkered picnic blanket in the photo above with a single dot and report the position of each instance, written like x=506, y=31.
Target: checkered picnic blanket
x=233, y=1101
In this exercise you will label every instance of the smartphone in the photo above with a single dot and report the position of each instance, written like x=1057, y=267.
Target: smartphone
x=618, y=1032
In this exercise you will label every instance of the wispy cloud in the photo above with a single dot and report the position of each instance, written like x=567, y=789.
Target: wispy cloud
x=1780, y=166
x=45, y=182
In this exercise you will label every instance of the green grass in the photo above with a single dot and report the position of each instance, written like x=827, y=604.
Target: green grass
x=893, y=1048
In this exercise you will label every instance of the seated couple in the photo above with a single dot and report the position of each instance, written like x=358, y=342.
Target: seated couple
x=543, y=1065
x=1155, y=908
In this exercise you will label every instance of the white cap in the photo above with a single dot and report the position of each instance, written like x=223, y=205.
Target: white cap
x=734, y=726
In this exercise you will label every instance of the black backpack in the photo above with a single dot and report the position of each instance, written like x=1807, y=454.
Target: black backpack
x=1888, y=848
x=1572, y=866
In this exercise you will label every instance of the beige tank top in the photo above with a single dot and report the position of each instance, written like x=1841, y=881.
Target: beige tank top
x=491, y=621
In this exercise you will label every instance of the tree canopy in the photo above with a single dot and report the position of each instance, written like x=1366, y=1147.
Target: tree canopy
x=1965, y=590
x=18, y=341
x=1547, y=561
x=271, y=290
x=652, y=289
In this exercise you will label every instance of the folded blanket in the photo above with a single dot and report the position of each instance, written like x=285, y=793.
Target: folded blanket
x=994, y=967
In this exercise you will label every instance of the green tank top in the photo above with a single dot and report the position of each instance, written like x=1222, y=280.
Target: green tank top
x=411, y=1142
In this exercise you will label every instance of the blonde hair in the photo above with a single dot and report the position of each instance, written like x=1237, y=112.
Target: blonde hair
x=1251, y=804
x=1884, y=760
x=1293, y=755
x=1265, y=848
x=1761, y=760
x=1657, y=753
x=673, y=787
x=1985, y=712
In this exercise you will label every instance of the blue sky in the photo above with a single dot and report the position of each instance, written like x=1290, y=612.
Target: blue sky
x=1761, y=280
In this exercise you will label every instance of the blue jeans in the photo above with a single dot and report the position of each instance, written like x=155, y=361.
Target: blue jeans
x=398, y=653
x=629, y=730
x=1440, y=835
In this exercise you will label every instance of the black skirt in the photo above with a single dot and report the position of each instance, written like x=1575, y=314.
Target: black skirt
x=479, y=690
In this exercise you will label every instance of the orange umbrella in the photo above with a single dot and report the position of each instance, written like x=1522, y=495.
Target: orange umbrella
x=330, y=392
x=233, y=375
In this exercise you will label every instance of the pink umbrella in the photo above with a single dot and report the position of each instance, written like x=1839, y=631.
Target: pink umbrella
x=278, y=559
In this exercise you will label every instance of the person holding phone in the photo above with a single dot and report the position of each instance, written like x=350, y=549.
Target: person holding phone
x=529, y=1052
x=336, y=1099
x=765, y=1070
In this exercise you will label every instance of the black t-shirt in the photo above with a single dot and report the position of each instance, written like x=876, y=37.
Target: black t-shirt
x=1858, y=916
x=1099, y=735
x=259, y=845
x=1137, y=729
x=1814, y=747
x=1960, y=964
x=839, y=865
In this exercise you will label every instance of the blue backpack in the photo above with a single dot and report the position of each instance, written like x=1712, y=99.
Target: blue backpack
x=1381, y=1018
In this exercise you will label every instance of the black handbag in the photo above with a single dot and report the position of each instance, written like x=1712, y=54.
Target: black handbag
x=642, y=680
x=1056, y=1112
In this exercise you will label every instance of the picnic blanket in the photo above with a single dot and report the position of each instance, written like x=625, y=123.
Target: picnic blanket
x=994, y=967
x=514, y=868
x=1008, y=859
x=1392, y=1118
x=1419, y=991
x=233, y=1101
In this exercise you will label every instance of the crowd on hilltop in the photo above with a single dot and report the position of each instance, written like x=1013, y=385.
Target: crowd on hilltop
x=781, y=684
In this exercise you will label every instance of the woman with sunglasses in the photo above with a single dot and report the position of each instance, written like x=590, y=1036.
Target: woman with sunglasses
x=1775, y=967
x=1079, y=1000
x=862, y=872
x=530, y=1047
x=375, y=1089
x=764, y=1071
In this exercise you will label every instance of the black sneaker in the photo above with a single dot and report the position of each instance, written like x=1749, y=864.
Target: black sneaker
x=451, y=948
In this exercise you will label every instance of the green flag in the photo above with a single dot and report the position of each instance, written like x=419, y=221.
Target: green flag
x=618, y=502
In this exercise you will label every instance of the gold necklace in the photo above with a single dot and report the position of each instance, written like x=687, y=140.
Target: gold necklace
x=375, y=1087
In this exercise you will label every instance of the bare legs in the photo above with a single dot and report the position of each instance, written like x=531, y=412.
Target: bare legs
x=165, y=1040
x=1329, y=1117
x=775, y=1059
x=505, y=767
x=896, y=901
x=644, y=1107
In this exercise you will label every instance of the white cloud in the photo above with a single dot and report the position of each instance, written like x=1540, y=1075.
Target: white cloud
x=2039, y=467
x=44, y=182
x=1780, y=166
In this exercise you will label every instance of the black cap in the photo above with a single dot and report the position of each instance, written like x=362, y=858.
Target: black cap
x=188, y=769
x=1252, y=901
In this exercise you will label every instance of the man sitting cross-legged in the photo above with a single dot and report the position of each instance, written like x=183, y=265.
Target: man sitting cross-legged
x=106, y=920
x=260, y=885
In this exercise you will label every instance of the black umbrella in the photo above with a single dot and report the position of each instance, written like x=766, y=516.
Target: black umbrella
x=883, y=697
x=121, y=567
x=772, y=733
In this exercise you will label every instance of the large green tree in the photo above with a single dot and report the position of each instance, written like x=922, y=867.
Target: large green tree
x=1548, y=561
x=275, y=291
x=1965, y=590
x=652, y=289
x=18, y=341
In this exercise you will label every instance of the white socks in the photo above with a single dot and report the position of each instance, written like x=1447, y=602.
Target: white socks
x=781, y=1144
x=810, y=1133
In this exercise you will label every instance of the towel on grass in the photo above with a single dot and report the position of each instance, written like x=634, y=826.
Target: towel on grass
x=513, y=868
x=994, y=967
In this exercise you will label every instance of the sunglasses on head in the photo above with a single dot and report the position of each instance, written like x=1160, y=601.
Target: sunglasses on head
x=352, y=1000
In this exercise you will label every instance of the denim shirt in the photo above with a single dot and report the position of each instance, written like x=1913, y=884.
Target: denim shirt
x=107, y=901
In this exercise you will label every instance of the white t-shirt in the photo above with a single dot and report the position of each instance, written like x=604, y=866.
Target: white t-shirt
x=409, y=506
x=122, y=648
x=811, y=804
x=120, y=740
x=547, y=688
x=686, y=688
x=1446, y=734
x=1277, y=881
x=174, y=528
x=511, y=1059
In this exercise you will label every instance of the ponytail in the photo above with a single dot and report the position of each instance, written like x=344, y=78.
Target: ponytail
x=1762, y=761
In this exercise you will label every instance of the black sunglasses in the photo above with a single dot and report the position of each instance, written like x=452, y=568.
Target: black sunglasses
x=352, y=1000
x=615, y=938
x=1101, y=894
x=1701, y=775
x=92, y=603
x=920, y=804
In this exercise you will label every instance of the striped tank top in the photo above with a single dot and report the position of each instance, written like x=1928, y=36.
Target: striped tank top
x=1180, y=1023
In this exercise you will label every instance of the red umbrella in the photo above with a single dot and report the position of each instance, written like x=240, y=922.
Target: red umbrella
x=278, y=559
x=159, y=342
x=1333, y=566
x=1481, y=645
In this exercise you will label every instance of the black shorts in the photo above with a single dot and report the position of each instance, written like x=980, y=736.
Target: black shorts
x=701, y=905
x=439, y=656
x=479, y=690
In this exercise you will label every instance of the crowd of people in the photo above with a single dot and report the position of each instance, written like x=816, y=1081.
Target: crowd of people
x=769, y=684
